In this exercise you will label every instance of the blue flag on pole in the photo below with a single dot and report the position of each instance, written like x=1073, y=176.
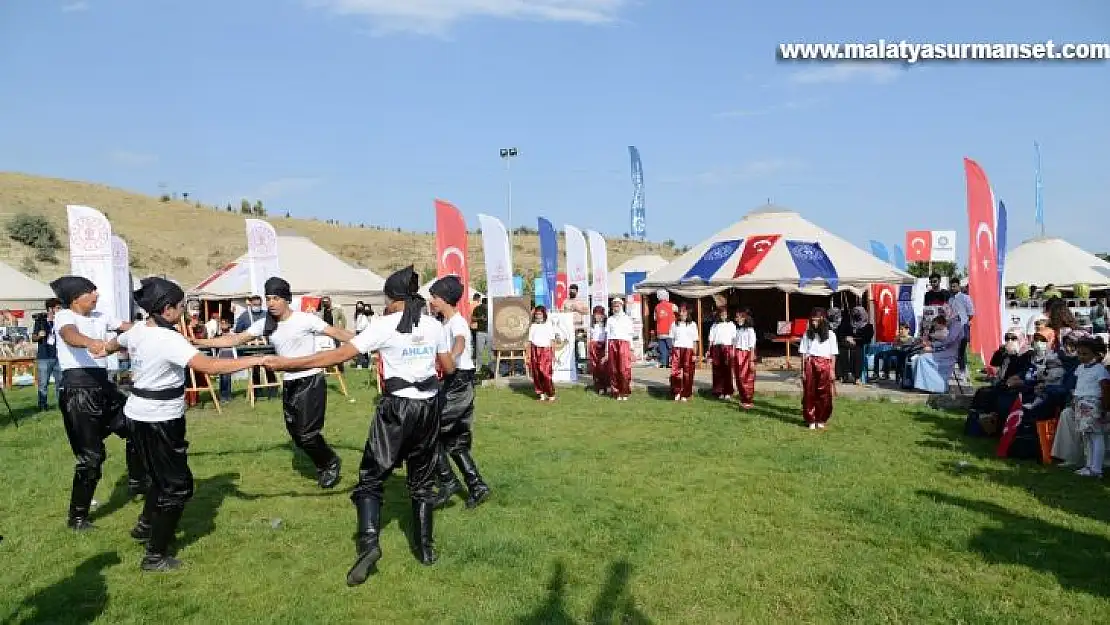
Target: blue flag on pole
x=639, y=212
x=713, y=259
x=1039, y=197
x=812, y=263
x=1000, y=242
x=549, y=260
x=539, y=292
x=878, y=250
x=898, y=258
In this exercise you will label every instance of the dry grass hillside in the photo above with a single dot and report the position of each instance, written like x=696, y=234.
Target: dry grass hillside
x=188, y=242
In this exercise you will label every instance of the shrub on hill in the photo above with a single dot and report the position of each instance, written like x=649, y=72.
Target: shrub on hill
x=33, y=230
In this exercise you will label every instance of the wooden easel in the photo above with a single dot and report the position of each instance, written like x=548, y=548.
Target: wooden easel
x=192, y=382
x=509, y=356
x=334, y=370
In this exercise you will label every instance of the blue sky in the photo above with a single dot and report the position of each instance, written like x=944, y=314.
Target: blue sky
x=365, y=110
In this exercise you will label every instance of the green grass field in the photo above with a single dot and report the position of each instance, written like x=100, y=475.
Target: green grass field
x=603, y=512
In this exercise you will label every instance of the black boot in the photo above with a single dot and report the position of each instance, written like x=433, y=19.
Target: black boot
x=328, y=477
x=422, y=513
x=369, y=513
x=138, y=482
x=80, y=500
x=477, y=489
x=157, y=556
x=448, y=483
x=143, y=527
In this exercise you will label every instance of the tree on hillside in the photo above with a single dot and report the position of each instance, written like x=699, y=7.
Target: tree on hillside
x=35, y=231
x=287, y=215
x=229, y=208
x=245, y=206
x=259, y=210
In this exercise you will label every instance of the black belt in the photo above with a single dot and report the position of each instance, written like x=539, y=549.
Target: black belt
x=162, y=394
x=392, y=385
x=85, y=377
x=464, y=375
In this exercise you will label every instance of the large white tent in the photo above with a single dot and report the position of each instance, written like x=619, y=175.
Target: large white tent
x=647, y=263
x=1049, y=260
x=309, y=269
x=21, y=292
x=856, y=268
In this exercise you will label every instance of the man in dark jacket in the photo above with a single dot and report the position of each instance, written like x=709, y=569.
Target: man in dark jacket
x=47, y=357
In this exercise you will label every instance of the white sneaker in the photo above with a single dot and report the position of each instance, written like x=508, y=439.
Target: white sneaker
x=552, y=398
x=684, y=399
x=813, y=426
x=543, y=397
x=677, y=398
x=1087, y=472
x=820, y=426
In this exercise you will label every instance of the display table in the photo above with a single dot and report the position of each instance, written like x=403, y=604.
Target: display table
x=16, y=364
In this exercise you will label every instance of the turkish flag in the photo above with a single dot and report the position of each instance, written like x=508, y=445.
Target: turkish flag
x=986, y=332
x=1009, y=431
x=754, y=253
x=451, y=250
x=919, y=246
x=560, y=290
x=884, y=304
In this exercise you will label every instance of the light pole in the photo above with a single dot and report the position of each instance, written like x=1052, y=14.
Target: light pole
x=507, y=155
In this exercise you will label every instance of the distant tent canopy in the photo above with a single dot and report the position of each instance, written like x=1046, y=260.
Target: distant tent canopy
x=638, y=264
x=308, y=268
x=22, y=292
x=856, y=269
x=1049, y=260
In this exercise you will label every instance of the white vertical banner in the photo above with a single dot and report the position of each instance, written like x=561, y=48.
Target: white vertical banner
x=498, y=257
x=944, y=246
x=262, y=254
x=635, y=309
x=90, y=253
x=121, y=278
x=599, y=257
x=578, y=268
x=564, y=368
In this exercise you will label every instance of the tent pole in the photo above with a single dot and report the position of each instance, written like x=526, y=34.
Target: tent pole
x=697, y=365
x=791, y=324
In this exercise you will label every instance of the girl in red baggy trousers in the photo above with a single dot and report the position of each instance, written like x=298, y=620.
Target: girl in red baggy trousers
x=722, y=336
x=599, y=368
x=541, y=354
x=619, y=331
x=685, y=335
x=819, y=351
x=743, y=358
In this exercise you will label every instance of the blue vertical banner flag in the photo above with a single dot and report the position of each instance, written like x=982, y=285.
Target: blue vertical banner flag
x=639, y=213
x=898, y=258
x=518, y=285
x=1039, y=199
x=878, y=250
x=812, y=263
x=906, y=313
x=713, y=259
x=1000, y=242
x=549, y=260
x=539, y=293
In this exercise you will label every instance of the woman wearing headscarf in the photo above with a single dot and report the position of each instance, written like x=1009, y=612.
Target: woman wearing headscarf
x=457, y=401
x=406, y=425
x=932, y=369
x=156, y=411
x=819, y=350
x=304, y=394
x=91, y=404
x=854, y=333
x=619, y=331
x=1010, y=362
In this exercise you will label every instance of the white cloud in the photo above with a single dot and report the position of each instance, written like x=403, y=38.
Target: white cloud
x=791, y=105
x=132, y=159
x=73, y=7
x=847, y=72
x=747, y=172
x=435, y=17
x=284, y=187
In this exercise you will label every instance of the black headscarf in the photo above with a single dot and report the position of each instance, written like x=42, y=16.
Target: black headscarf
x=69, y=288
x=275, y=287
x=404, y=286
x=448, y=289
x=154, y=295
x=326, y=313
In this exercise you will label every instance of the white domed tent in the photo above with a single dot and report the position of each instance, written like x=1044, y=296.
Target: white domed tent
x=22, y=292
x=856, y=269
x=1050, y=260
x=638, y=264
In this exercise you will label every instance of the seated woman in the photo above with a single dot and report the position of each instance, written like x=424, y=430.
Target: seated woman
x=853, y=334
x=991, y=404
x=932, y=368
x=1067, y=446
x=895, y=357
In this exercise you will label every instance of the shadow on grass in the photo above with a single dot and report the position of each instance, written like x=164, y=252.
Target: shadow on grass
x=19, y=414
x=79, y=598
x=1053, y=486
x=614, y=603
x=261, y=449
x=948, y=434
x=199, y=519
x=1077, y=560
x=117, y=500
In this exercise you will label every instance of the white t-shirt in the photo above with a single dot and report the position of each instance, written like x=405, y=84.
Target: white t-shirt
x=457, y=326
x=361, y=322
x=1088, y=380
x=619, y=327
x=411, y=357
x=541, y=334
x=819, y=348
x=293, y=338
x=95, y=326
x=597, y=333
x=685, y=335
x=745, y=339
x=722, y=333
x=158, y=360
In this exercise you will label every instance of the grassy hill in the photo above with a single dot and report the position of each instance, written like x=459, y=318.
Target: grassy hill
x=188, y=242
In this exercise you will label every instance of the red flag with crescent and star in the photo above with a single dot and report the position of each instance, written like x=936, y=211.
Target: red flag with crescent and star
x=451, y=246
x=919, y=246
x=986, y=329
x=1009, y=430
x=884, y=302
x=754, y=253
x=560, y=290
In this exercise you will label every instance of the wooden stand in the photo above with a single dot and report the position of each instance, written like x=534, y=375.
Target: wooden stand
x=334, y=370
x=264, y=375
x=193, y=384
x=512, y=355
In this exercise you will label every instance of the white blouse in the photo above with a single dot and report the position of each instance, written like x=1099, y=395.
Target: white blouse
x=745, y=339
x=817, y=347
x=619, y=327
x=722, y=333
x=597, y=333
x=541, y=334
x=685, y=335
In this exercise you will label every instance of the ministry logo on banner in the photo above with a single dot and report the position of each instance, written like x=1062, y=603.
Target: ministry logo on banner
x=944, y=246
x=812, y=263
x=713, y=259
